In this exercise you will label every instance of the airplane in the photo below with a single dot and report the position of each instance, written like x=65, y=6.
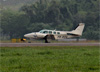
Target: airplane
x=49, y=35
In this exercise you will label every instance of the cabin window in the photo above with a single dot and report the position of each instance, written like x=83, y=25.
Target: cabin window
x=58, y=32
x=50, y=32
x=45, y=31
x=69, y=34
x=54, y=32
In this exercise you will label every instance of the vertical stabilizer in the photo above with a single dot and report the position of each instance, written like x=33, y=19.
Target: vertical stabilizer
x=79, y=29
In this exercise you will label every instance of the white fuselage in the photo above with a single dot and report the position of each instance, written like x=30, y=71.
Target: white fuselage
x=57, y=34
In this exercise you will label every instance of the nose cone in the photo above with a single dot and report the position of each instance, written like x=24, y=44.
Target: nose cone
x=26, y=35
x=30, y=35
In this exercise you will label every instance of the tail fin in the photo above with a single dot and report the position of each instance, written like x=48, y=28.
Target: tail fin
x=79, y=29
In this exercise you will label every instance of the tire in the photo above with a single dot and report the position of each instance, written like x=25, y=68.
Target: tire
x=48, y=39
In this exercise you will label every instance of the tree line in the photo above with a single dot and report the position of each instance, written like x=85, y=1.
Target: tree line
x=59, y=15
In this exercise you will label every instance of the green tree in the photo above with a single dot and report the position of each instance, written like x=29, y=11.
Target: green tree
x=35, y=27
x=14, y=23
x=52, y=14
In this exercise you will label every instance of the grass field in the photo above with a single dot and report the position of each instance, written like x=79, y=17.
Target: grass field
x=50, y=59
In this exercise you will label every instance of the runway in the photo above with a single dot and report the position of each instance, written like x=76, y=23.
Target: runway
x=47, y=44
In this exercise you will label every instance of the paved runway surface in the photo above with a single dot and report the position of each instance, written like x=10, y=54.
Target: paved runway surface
x=47, y=44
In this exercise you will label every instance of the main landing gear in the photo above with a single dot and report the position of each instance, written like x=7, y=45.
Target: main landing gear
x=49, y=38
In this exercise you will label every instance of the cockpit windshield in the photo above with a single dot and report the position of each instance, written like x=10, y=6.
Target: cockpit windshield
x=43, y=31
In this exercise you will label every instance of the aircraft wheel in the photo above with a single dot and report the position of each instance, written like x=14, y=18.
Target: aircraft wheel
x=48, y=39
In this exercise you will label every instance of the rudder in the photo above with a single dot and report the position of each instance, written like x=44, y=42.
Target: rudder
x=79, y=29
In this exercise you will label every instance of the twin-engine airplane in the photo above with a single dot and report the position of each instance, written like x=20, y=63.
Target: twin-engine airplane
x=49, y=35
